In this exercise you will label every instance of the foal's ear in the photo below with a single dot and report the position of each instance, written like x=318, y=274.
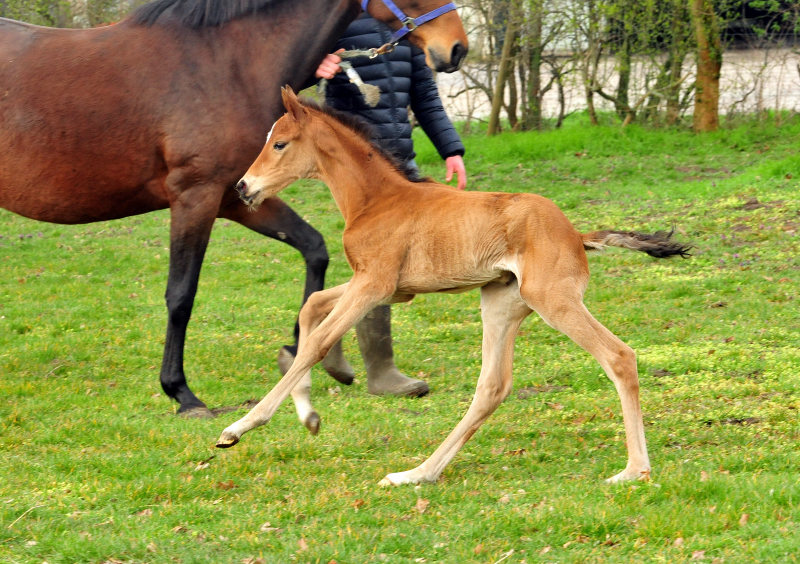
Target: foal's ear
x=293, y=105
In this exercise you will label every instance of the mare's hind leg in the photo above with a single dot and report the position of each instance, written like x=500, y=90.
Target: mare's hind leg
x=277, y=220
x=502, y=311
x=193, y=214
x=561, y=306
x=357, y=299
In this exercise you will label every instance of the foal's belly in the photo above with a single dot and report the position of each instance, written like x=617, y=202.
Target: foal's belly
x=451, y=284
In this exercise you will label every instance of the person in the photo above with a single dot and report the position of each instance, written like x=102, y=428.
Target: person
x=405, y=80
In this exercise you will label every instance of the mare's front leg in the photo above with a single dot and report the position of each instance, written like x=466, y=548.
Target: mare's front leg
x=192, y=217
x=277, y=220
x=502, y=311
x=356, y=298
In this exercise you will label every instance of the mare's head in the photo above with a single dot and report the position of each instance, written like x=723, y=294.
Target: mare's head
x=289, y=154
x=442, y=38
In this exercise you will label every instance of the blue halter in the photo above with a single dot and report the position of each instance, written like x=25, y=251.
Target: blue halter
x=409, y=23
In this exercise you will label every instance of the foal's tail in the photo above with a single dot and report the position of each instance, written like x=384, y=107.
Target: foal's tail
x=659, y=244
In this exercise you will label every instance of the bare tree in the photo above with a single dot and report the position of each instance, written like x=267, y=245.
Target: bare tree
x=706, y=25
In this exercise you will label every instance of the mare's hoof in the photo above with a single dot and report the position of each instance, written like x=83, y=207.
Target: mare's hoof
x=343, y=374
x=285, y=360
x=312, y=423
x=338, y=368
x=227, y=440
x=196, y=413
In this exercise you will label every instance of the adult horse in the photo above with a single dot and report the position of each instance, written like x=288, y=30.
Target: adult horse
x=167, y=109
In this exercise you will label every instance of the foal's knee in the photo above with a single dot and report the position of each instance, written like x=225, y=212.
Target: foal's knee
x=623, y=367
x=492, y=393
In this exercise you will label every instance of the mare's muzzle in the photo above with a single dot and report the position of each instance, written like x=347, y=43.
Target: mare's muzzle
x=456, y=56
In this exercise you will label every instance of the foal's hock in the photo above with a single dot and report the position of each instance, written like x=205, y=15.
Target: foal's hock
x=404, y=238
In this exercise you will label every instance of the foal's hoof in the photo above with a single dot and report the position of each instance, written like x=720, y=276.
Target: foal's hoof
x=196, y=413
x=312, y=423
x=630, y=476
x=227, y=440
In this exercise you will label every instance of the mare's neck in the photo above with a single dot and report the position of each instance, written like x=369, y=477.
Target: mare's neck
x=283, y=46
x=358, y=176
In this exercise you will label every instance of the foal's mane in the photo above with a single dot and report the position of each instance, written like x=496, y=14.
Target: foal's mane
x=199, y=13
x=365, y=131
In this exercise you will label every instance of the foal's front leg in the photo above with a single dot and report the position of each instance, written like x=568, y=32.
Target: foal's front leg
x=317, y=308
x=357, y=298
x=275, y=219
x=502, y=311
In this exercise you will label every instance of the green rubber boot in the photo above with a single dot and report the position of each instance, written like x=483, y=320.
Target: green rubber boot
x=375, y=341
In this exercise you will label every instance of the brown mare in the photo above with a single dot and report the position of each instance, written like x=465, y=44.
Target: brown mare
x=403, y=238
x=167, y=109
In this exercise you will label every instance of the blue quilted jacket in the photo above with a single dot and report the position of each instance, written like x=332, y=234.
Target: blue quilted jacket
x=405, y=80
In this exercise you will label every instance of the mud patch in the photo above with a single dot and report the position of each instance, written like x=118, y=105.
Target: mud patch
x=744, y=421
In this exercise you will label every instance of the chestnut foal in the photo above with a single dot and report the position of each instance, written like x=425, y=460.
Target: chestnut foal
x=403, y=238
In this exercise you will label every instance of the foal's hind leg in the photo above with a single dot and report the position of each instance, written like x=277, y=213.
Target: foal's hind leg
x=502, y=311
x=561, y=306
x=357, y=299
x=277, y=220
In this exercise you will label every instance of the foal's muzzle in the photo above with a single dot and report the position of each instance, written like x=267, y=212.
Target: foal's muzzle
x=241, y=189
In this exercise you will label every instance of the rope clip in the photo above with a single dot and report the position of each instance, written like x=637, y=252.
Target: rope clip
x=382, y=50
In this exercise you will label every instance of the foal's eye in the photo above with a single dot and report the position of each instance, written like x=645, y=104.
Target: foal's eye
x=279, y=146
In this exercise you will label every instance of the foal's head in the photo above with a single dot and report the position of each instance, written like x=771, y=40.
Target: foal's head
x=289, y=154
x=299, y=139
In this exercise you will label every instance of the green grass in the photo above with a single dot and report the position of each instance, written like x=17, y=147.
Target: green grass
x=96, y=468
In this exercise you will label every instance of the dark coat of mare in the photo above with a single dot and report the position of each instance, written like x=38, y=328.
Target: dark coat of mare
x=167, y=109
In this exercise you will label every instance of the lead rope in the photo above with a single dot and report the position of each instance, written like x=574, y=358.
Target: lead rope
x=370, y=92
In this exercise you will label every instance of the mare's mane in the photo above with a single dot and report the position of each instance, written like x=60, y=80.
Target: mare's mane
x=365, y=131
x=199, y=13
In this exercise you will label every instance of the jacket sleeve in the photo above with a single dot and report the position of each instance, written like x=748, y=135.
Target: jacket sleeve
x=427, y=107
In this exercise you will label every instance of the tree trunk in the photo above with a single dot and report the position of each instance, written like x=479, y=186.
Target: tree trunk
x=590, y=102
x=591, y=59
x=534, y=118
x=561, y=100
x=623, y=86
x=502, y=75
x=523, y=88
x=662, y=83
x=709, y=63
x=513, y=99
x=679, y=48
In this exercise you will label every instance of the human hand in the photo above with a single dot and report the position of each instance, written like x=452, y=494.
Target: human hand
x=455, y=164
x=329, y=65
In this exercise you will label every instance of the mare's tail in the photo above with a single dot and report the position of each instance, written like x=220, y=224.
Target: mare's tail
x=658, y=245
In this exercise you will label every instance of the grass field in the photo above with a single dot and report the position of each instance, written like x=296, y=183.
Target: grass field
x=96, y=468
